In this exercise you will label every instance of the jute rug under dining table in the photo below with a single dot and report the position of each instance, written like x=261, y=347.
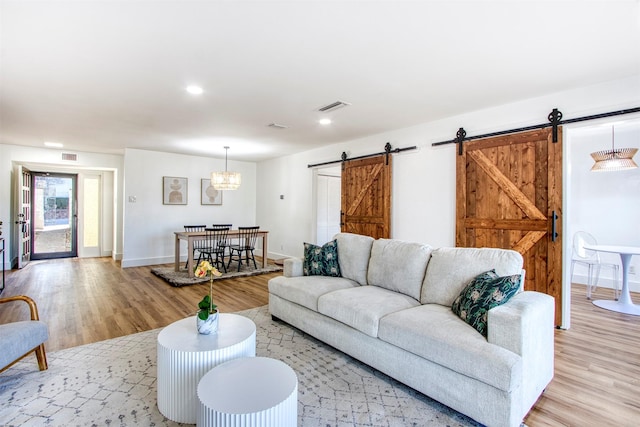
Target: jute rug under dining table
x=181, y=278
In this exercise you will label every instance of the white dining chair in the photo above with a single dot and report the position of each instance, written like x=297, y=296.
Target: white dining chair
x=591, y=259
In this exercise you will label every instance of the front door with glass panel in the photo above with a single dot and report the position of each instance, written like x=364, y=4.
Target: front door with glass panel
x=53, y=225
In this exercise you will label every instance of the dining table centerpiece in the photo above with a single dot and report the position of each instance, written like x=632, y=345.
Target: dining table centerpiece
x=207, y=316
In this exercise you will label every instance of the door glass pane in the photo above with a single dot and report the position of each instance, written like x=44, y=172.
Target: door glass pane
x=52, y=212
x=91, y=215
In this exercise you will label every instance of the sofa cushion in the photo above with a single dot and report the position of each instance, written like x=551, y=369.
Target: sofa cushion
x=362, y=307
x=434, y=332
x=354, y=252
x=451, y=269
x=321, y=260
x=305, y=290
x=398, y=266
x=485, y=291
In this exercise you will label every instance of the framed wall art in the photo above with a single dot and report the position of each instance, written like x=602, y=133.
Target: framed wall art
x=174, y=190
x=208, y=194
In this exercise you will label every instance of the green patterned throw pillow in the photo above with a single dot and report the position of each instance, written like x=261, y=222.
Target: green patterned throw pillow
x=484, y=292
x=321, y=261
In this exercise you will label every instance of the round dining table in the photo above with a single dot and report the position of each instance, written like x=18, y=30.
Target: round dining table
x=624, y=303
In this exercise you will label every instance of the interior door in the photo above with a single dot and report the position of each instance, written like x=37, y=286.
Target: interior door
x=366, y=196
x=509, y=195
x=328, y=187
x=23, y=214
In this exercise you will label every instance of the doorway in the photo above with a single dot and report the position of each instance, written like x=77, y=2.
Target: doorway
x=81, y=210
x=327, y=204
x=54, y=215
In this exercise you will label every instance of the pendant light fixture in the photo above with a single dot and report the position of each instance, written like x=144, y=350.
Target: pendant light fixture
x=614, y=159
x=225, y=180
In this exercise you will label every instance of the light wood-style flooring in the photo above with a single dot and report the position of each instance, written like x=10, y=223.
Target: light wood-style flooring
x=93, y=299
x=597, y=364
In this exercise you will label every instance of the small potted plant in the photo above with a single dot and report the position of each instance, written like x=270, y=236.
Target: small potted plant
x=207, y=318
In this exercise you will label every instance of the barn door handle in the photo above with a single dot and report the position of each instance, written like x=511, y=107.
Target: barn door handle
x=341, y=218
x=554, y=218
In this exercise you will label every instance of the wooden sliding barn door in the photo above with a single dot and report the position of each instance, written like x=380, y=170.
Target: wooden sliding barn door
x=509, y=195
x=366, y=197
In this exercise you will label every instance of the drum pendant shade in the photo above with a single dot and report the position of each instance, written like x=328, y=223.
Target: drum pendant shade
x=614, y=159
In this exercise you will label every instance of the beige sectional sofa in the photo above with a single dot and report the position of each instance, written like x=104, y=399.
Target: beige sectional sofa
x=391, y=309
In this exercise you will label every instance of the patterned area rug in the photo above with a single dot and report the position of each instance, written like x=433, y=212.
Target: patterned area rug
x=113, y=383
x=181, y=278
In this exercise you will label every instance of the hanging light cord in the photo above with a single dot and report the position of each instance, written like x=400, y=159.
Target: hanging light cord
x=613, y=141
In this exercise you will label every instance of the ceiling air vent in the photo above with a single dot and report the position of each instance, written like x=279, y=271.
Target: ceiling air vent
x=333, y=106
x=69, y=156
x=277, y=126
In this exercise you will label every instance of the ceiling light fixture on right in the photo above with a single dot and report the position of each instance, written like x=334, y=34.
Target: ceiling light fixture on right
x=614, y=159
x=324, y=121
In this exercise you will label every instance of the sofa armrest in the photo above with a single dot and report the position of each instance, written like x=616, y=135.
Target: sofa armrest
x=292, y=267
x=526, y=325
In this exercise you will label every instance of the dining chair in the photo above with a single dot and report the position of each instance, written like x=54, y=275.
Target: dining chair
x=20, y=338
x=227, y=242
x=247, y=237
x=197, y=244
x=591, y=259
x=212, y=250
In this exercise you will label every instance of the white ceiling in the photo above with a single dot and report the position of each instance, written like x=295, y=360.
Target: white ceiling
x=106, y=75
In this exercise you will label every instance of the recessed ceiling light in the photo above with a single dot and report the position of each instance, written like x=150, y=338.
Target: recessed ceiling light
x=324, y=121
x=194, y=90
x=53, y=144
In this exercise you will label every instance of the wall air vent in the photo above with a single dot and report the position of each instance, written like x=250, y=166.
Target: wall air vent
x=333, y=106
x=277, y=126
x=70, y=156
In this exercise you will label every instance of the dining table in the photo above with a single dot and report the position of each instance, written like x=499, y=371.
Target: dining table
x=624, y=304
x=192, y=236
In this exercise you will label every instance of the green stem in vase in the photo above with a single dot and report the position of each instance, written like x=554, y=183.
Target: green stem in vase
x=211, y=294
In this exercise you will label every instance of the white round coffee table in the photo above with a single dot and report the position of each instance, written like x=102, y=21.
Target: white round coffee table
x=184, y=356
x=249, y=392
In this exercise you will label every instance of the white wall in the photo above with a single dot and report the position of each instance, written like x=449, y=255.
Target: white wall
x=423, y=205
x=51, y=160
x=149, y=226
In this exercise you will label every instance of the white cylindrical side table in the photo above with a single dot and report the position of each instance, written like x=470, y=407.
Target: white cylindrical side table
x=250, y=392
x=184, y=356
